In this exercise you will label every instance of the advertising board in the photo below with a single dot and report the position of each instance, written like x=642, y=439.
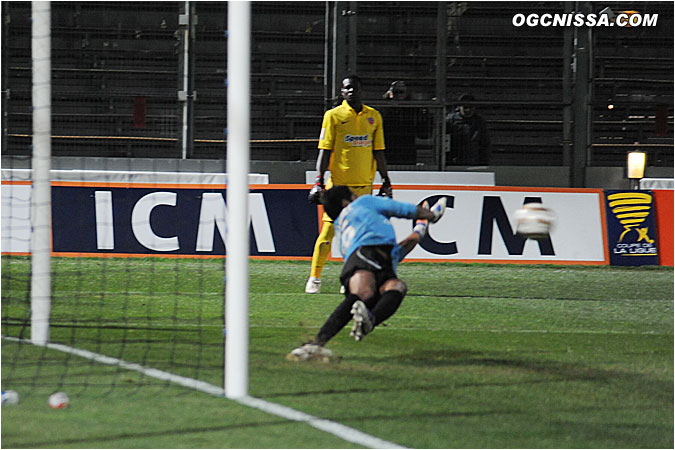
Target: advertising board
x=97, y=219
x=664, y=223
x=479, y=225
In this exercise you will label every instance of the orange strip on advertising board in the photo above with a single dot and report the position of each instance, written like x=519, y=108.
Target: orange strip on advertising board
x=664, y=223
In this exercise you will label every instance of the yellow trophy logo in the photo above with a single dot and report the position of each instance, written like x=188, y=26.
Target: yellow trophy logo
x=631, y=209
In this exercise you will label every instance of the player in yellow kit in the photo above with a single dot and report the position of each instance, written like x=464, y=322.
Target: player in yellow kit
x=351, y=146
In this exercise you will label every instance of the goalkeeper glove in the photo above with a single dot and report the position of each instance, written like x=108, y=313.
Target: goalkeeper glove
x=315, y=193
x=438, y=209
x=422, y=224
x=385, y=189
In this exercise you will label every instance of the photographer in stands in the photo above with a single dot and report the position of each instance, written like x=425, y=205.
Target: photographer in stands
x=469, y=137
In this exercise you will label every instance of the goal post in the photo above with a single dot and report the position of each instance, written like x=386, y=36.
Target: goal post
x=86, y=274
x=238, y=155
x=87, y=290
x=41, y=182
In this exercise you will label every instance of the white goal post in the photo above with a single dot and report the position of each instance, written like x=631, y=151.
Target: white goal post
x=41, y=185
x=238, y=161
x=238, y=155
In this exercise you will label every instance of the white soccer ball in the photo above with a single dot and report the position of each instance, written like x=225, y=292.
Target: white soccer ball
x=58, y=400
x=534, y=221
x=10, y=397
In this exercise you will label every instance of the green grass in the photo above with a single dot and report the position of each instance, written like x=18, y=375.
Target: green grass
x=478, y=356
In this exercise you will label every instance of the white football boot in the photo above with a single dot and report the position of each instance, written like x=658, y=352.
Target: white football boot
x=310, y=351
x=313, y=285
x=363, y=324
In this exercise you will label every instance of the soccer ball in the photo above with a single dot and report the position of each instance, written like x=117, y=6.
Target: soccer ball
x=58, y=400
x=10, y=397
x=534, y=221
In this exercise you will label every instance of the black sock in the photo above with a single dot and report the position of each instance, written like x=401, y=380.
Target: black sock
x=337, y=320
x=387, y=305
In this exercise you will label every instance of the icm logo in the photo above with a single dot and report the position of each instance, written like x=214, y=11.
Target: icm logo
x=493, y=219
x=494, y=214
x=212, y=217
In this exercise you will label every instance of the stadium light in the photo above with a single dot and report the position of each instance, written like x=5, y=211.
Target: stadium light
x=636, y=167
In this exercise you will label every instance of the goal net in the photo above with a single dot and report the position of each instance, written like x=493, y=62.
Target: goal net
x=113, y=273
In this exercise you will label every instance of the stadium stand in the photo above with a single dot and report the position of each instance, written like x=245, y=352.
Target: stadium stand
x=117, y=71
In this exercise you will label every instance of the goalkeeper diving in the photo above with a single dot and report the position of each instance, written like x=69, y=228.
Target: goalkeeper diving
x=367, y=241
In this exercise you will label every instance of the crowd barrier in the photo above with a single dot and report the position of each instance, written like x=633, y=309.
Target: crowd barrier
x=409, y=177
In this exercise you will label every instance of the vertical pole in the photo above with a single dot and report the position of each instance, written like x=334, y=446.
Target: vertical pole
x=238, y=155
x=339, y=47
x=327, y=59
x=567, y=89
x=4, y=73
x=441, y=82
x=353, y=37
x=185, y=93
x=582, y=101
x=41, y=191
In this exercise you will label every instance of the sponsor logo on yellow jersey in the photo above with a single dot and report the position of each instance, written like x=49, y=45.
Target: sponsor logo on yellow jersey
x=358, y=140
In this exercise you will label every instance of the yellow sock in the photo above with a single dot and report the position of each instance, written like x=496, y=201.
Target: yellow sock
x=322, y=249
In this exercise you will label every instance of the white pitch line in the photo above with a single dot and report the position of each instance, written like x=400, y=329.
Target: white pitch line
x=342, y=431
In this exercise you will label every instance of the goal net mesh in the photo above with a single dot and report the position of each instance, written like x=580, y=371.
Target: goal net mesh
x=120, y=296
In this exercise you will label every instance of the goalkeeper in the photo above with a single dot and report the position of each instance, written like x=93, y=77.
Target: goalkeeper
x=351, y=146
x=368, y=244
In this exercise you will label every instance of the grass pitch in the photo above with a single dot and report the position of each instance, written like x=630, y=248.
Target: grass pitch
x=478, y=356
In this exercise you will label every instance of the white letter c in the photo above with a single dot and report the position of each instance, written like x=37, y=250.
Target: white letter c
x=140, y=222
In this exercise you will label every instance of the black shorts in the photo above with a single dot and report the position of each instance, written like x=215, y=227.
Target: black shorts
x=373, y=258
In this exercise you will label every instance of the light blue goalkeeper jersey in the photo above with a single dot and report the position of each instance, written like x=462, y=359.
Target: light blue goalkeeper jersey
x=365, y=221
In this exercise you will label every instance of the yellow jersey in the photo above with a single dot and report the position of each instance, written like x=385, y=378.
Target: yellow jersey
x=352, y=138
